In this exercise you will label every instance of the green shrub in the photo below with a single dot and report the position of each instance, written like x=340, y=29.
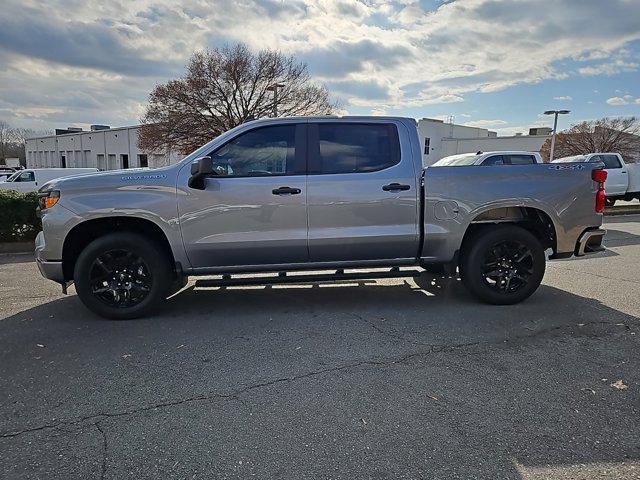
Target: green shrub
x=18, y=219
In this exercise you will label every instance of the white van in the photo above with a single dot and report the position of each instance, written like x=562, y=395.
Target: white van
x=31, y=179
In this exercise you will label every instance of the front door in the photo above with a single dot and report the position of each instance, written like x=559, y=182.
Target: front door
x=362, y=192
x=617, y=176
x=253, y=210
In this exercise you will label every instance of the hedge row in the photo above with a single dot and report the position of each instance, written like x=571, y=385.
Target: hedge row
x=18, y=219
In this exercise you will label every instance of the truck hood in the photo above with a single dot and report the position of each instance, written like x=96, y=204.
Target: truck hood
x=115, y=179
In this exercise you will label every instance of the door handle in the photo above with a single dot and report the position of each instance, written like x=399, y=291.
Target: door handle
x=286, y=191
x=395, y=186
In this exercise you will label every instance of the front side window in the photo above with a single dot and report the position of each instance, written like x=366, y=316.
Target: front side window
x=353, y=148
x=493, y=160
x=260, y=152
x=521, y=159
x=25, y=177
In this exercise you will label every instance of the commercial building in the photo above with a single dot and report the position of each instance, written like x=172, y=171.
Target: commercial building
x=439, y=139
x=101, y=147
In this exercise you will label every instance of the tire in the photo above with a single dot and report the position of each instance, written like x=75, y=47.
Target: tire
x=122, y=276
x=492, y=255
x=610, y=202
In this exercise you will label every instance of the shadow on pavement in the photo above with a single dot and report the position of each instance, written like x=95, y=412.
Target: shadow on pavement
x=450, y=387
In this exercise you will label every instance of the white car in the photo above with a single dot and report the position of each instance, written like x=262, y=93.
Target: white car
x=31, y=179
x=489, y=159
x=623, y=179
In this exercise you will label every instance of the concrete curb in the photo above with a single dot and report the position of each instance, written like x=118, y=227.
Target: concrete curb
x=622, y=210
x=17, y=247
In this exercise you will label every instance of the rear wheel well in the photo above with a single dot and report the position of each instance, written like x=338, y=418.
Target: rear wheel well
x=531, y=219
x=84, y=233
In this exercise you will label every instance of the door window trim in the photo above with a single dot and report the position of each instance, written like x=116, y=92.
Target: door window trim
x=299, y=164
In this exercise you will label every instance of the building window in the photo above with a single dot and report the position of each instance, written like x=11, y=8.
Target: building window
x=427, y=142
x=112, y=162
x=63, y=161
x=124, y=160
x=100, y=160
x=143, y=161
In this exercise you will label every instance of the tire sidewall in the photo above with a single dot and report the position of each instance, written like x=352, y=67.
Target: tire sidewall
x=473, y=259
x=152, y=255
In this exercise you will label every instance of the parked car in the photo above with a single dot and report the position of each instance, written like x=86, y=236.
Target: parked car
x=5, y=173
x=31, y=179
x=623, y=179
x=489, y=159
x=283, y=195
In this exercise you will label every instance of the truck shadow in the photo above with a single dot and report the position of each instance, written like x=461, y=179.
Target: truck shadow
x=525, y=424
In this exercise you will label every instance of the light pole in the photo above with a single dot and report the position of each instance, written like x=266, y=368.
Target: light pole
x=274, y=88
x=555, y=113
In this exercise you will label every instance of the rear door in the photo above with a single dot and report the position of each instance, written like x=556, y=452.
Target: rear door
x=362, y=191
x=253, y=211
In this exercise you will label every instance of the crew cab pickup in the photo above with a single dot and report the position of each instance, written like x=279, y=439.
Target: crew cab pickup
x=623, y=179
x=328, y=193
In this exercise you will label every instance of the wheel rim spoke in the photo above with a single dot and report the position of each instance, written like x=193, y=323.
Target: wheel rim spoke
x=507, y=266
x=120, y=278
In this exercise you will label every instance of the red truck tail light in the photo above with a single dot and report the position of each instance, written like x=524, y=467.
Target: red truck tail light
x=600, y=176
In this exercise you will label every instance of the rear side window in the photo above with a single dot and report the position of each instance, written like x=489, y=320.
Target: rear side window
x=521, y=159
x=353, y=147
x=493, y=160
x=611, y=161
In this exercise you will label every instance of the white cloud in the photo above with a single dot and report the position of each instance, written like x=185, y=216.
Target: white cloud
x=566, y=98
x=637, y=101
x=617, y=101
x=395, y=53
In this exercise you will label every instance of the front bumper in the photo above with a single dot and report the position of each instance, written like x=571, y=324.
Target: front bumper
x=51, y=270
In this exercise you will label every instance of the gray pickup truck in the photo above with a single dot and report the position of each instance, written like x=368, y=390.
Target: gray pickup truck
x=327, y=193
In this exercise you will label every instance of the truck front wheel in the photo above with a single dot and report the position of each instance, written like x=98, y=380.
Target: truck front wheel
x=122, y=276
x=502, y=265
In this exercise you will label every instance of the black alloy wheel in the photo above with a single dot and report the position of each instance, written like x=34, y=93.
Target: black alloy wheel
x=508, y=266
x=120, y=279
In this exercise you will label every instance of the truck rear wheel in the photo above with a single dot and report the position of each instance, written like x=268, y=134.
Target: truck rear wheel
x=122, y=276
x=502, y=265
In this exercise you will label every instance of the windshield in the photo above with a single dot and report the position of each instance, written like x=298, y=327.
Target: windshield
x=457, y=160
x=574, y=158
x=13, y=176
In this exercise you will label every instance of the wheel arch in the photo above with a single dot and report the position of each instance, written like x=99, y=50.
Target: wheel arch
x=533, y=219
x=85, y=232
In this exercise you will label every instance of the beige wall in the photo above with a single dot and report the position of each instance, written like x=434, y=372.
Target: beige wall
x=86, y=148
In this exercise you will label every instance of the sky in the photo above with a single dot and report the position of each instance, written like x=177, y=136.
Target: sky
x=494, y=64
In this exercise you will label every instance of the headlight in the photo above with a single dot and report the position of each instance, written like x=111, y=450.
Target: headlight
x=48, y=199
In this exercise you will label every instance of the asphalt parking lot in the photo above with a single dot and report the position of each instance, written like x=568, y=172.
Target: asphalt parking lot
x=376, y=379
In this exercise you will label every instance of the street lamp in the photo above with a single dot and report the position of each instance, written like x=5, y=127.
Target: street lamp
x=555, y=126
x=274, y=88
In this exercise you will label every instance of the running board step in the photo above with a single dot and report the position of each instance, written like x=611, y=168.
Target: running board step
x=229, y=281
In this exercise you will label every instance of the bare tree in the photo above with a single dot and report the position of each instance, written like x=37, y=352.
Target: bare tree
x=223, y=88
x=620, y=135
x=12, y=141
